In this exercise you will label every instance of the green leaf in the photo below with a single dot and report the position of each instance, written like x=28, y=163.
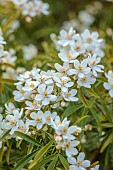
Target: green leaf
x=40, y=154
x=53, y=164
x=7, y=81
x=107, y=142
x=106, y=111
x=107, y=125
x=92, y=92
x=82, y=98
x=27, y=138
x=43, y=162
x=95, y=115
x=3, y=137
x=70, y=110
x=79, y=120
x=25, y=160
x=64, y=162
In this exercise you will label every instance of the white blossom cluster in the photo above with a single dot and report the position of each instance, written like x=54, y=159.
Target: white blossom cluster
x=39, y=89
x=65, y=135
x=109, y=85
x=81, y=55
x=32, y=8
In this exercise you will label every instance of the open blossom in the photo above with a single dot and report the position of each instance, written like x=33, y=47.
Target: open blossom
x=79, y=163
x=48, y=116
x=109, y=85
x=35, y=105
x=87, y=80
x=12, y=121
x=2, y=40
x=63, y=70
x=93, y=63
x=9, y=108
x=38, y=119
x=45, y=94
x=67, y=38
x=70, y=95
x=81, y=68
x=69, y=146
x=64, y=83
x=68, y=55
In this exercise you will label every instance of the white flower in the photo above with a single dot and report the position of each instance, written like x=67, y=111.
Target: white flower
x=67, y=38
x=93, y=63
x=64, y=83
x=20, y=94
x=43, y=79
x=38, y=119
x=42, y=8
x=63, y=130
x=68, y=56
x=63, y=70
x=91, y=38
x=45, y=94
x=79, y=163
x=9, y=108
x=30, y=85
x=81, y=68
x=12, y=121
x=48, y=116
x=33, y=105
x=30, y=51
x=69, y=146
x=86, y=80
x=70, y=95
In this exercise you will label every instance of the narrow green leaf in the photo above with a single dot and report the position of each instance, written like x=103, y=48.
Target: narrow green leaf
x=70, y=110
x=3, y=137
x=8, y=152
x=64, y=162
x=27, y=138
x=25, y=160
x=107, y=142
x=53, y=164
x=95, y=115
x=82, y=98
x=107, y=125
x=7, y=81
x=79, y=120
x=92, y=92
x=40, y=154
x=43, y=162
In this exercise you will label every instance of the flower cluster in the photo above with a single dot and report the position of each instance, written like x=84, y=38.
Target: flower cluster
x=32, y=8
x=81, y=55
x=39, y=89
x=109, y=85
x=65, y=136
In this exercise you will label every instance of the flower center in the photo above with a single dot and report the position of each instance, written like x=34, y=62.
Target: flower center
x=79, y=163
x=68, y=94
x=68, y=36
x=63, y=82
x=22, y=91
x=94, y=63
x=48, y=118
x=32, y=85
x=13, y=123
x=38, y=120
x=89, y=40
x=84, y=79
x=79, y=67
x=41, y=79
x=45, y=94
x=22, y=128
x=64, y=131
x=69, y=56
x=78, y=47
